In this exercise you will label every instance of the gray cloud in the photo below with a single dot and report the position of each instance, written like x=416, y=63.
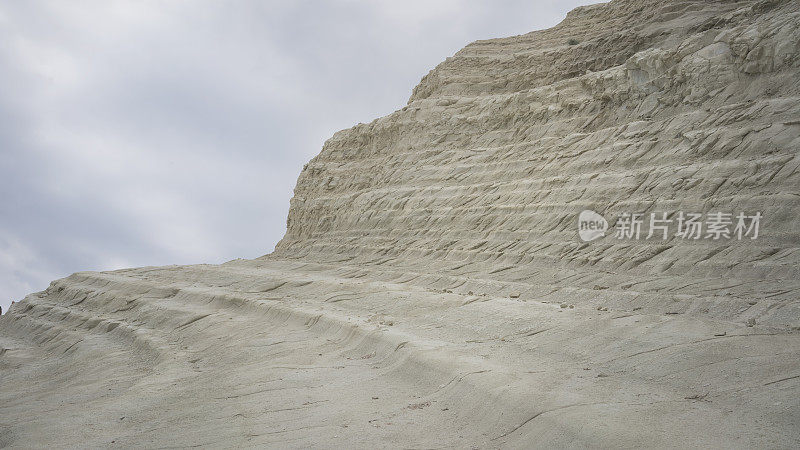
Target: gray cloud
x=147, y=133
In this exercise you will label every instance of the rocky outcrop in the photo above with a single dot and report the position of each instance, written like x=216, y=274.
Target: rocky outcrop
x=432, y=287
x=684, y=106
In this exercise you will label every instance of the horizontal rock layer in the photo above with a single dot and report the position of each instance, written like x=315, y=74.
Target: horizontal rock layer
x=432, y=289
x=688, y=106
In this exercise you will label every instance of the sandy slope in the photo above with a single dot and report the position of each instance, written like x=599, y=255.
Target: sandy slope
x=432, y=291
x=276, y=352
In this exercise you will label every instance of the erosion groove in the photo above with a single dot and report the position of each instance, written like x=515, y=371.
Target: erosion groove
x=432, y=289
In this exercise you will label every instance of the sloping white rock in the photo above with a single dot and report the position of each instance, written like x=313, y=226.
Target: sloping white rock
x=432, y=288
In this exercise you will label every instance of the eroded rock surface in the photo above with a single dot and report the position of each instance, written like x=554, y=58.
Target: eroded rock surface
x=432, y=290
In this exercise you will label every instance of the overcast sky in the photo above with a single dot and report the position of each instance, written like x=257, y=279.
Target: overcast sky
x=171, y=132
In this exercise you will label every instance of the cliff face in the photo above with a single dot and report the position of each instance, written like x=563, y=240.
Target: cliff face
x=679, y=107
x=433, y=288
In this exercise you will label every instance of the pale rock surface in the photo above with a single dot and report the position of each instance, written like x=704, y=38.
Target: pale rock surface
x=431, y=289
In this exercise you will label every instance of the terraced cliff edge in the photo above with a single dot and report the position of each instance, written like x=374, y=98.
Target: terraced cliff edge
x=432, y=288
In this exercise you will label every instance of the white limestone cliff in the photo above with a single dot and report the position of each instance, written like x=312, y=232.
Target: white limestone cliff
x=432, y=289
